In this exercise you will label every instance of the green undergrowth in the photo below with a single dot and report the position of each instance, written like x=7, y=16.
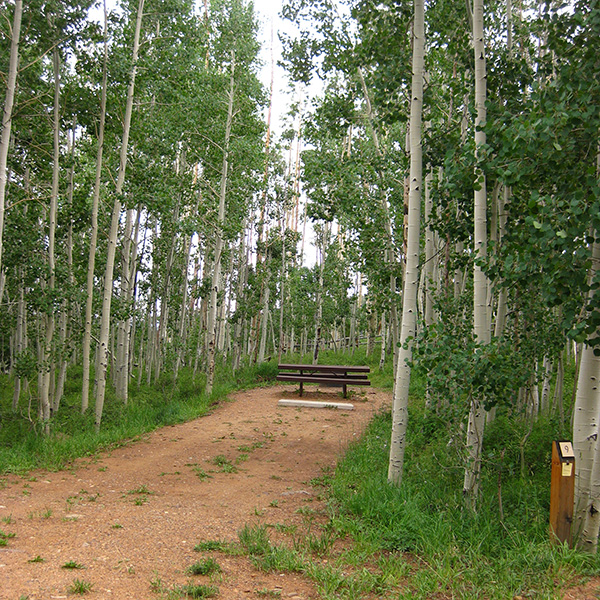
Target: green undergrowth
x=167, y=401
x=501, y=551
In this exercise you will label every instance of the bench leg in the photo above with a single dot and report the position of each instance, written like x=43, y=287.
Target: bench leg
x=345, y=391
x=301, y=388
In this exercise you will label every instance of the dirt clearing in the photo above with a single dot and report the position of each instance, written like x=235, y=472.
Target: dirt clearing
x=127, y=521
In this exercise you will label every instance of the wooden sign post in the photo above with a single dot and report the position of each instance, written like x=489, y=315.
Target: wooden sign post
x=562, y=491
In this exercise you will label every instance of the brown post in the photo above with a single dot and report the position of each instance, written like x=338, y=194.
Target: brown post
x=562, y=489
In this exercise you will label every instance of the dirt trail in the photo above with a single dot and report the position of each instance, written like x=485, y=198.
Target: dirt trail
x=132, y=516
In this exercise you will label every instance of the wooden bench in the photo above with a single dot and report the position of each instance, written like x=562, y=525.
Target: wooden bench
x=341, y=375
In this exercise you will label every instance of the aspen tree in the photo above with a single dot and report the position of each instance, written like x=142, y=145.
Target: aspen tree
x=411, y=277
x=211, y=327
x=11, y=85
x=481, y=328
x=586, y=431
x=89, y=298
x=114, y=228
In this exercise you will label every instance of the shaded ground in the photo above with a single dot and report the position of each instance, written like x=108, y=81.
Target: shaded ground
x=131, y=517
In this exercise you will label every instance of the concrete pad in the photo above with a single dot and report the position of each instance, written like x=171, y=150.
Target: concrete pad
x=316, y=404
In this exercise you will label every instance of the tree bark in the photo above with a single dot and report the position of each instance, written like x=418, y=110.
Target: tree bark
x=11, y=86
x=87, y=333
x=216, y=277
x=481, y=328
x=114, y=228
x=411, y=277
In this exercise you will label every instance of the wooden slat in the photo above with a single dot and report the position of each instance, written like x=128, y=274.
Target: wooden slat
x=324, y=368
x=322, y=379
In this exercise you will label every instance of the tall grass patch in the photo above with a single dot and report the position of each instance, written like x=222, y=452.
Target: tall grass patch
x=501, y=551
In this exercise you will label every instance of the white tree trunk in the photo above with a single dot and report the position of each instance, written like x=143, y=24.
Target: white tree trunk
x=114, y=228
x=481, y=326
x=11, y=86
x=411, y=278
x=586, y=431
x=87, y=333
x=216, y=276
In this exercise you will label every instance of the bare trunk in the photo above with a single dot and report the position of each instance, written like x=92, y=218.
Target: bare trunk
x=411, y=278
x=481, y=328
x=586, y=431
x=11, y=85
x=216, y=278
x=114, y=228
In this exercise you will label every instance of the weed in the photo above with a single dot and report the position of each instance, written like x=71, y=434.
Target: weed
x=6, y=536
x=284, y=528
x=80, y=586
x=116, y=526
x=306, y=511
x=7, y=520
x=275, y=477
x=71, y=564
x=197, y=591
x=204, y=567
x=224, y=463
x=255, y=540
x=37, y=559
x=274, y=503
x=142, y=490
x=47, y=513
x=216, y=546
x=241, y=458
x=201, y=474
x=267, y=593
x=102, y=469
x=140, y=500
x=156, y=585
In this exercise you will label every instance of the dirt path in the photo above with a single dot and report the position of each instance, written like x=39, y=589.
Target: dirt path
x=132, y=517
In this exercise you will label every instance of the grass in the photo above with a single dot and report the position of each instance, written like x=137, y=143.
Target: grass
x=213, y=546
x=224, y=464
x=207, y=566
x=23, y=447
x=80, y=586
x=192, y=590
x=71, y=564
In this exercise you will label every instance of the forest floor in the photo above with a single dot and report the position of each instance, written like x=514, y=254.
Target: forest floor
x=130, y=518
x=127, y=521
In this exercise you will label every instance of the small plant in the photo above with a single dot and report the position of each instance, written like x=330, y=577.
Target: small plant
x=156, y=585
x=198, y=591
x=255, y=540
x=4, y=537
x=142, y=490
x=241, y=458
x=37, y=559
x=201, y=474
x=275, y=478
x=204, y=567
x=140, y=500
x=274, y=503
x=47, y=513
x=71, y=564
x=8, y=520
x=213, y=546
x=266, y=593
x=306, y=511
x=284, y=528
x=80, y=586
x=224, y=463
x=117, y=526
